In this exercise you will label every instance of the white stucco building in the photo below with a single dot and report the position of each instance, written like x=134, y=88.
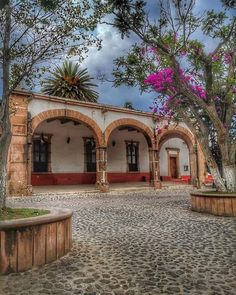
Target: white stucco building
x=62, y=141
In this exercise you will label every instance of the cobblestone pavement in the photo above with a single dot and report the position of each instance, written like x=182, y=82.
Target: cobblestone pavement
x=143, y=243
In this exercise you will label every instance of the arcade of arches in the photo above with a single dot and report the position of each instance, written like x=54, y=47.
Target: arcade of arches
x=59, y=141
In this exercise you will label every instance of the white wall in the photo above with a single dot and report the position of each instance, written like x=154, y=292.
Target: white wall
x=103, y=119
x=116, y=155
x=183, y=156
x=66, y=157
x=70, y=157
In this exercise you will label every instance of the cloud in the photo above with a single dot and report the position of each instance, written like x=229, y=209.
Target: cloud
x=112, y=46
x=101, y=62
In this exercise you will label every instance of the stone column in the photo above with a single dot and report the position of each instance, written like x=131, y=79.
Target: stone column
x=154, y=168
x=101, y=176
x=29, y=154
x=18, y=181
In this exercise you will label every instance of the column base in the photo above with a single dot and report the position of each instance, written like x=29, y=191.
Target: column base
x=20, y=190
x=103, y=187
x=156, y=184
x=196, y=183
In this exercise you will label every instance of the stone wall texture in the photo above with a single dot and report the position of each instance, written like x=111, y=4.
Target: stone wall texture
x=33, y=111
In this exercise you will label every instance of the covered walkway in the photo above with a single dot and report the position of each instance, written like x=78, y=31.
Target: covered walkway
x=87, y=188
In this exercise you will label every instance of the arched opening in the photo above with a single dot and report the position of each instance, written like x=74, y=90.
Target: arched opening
x=177, y=156
x=64, y=150
x=128, y=146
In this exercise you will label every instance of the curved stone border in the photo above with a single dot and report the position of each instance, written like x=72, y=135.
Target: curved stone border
x=216, y=204
x=29, y=242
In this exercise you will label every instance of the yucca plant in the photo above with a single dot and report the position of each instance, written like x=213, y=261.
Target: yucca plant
x=71, y=82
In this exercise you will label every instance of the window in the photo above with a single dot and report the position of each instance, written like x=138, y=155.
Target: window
x=132, y=155
x=40, y=155
x=90, y=154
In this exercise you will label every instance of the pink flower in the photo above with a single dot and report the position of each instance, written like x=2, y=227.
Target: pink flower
x=227, y=57
x=215, y=57
x=183, y=52
x=152, y=49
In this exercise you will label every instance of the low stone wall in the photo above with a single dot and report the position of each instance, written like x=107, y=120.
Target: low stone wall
x=29, y=242
x=216, y=204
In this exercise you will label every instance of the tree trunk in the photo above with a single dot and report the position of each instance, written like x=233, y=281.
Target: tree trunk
x=5, y=140
x=218, y=180
x=5, y=123
x=230, y=177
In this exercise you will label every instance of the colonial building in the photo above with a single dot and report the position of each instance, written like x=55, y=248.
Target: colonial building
x=58, y=141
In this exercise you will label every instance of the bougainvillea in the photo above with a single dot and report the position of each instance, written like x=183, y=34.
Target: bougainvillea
x=193, y=81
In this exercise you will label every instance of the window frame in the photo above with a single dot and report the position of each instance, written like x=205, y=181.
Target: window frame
x=136, y=144
x=47, y=139
x=91, y=139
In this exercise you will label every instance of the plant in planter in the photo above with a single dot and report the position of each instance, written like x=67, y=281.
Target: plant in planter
x=32, y=34
x=16, y=213
x=194, y=84
x=32, y=237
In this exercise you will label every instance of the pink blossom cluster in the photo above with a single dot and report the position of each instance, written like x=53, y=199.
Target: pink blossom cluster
x=162, y=81
x=227, y=57
x=162, y=109
x=199, y=91
x=215, y=57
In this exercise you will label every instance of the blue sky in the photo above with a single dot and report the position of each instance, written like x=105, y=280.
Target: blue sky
x=112, y=47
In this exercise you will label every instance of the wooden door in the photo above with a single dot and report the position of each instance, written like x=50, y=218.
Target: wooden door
x=173, y=167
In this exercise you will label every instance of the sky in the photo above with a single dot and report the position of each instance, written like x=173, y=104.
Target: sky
x=112, y=47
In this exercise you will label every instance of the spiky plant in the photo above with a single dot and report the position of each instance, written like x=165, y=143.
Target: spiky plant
x=69, y=81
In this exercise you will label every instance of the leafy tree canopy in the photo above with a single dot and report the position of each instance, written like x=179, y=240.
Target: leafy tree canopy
x=32, y=34
x=40, y=31
x=193, y=85
x=71, y=82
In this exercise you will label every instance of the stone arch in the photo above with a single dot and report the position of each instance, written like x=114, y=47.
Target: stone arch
x=179, y=132
x=186, y=136
x=70, y=114
x=147, y=131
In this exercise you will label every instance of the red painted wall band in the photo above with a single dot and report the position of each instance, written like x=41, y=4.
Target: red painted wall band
x=85, y=178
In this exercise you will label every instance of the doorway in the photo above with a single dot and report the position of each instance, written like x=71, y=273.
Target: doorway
x=173, y=167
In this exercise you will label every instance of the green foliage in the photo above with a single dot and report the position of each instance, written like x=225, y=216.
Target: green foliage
x=3, y=3
x=133, y=69
x=168, y=44
x=48, y=4
x=128, y=105
x=43, y=30
x=70, y=82
x=16, y=213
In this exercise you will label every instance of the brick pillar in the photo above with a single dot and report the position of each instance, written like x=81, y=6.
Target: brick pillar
x=154, y=168
x=18, y=180
x=102, y=182
x=193, y=158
